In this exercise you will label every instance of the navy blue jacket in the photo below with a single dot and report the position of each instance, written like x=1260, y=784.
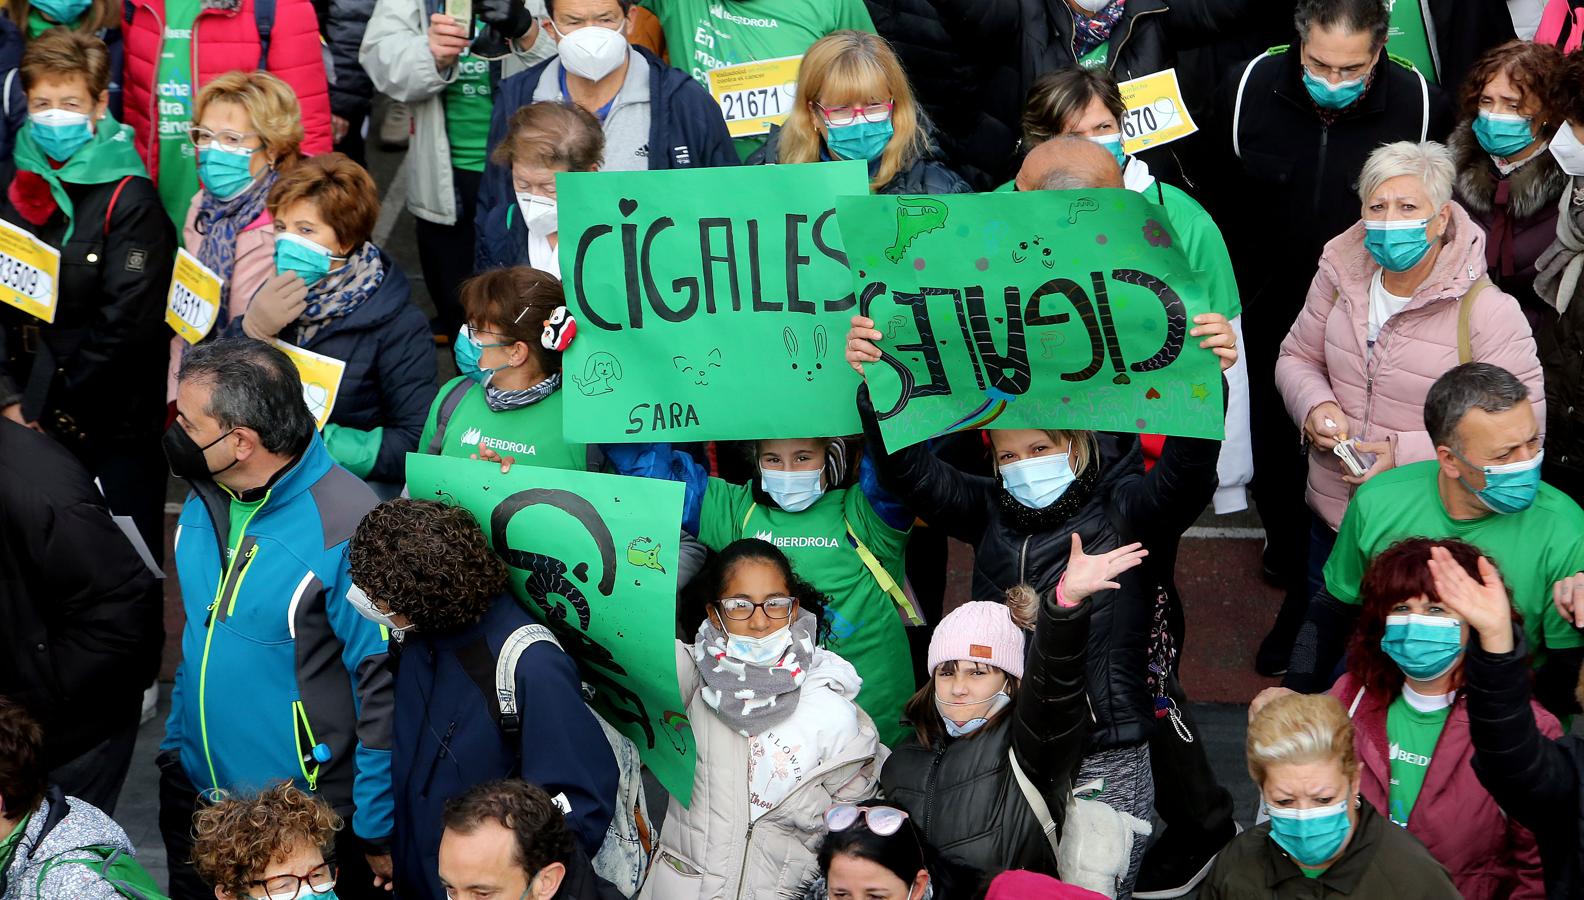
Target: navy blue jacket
x=448, y=739
x=15, y=101
x=686, y=131
x=390, y=379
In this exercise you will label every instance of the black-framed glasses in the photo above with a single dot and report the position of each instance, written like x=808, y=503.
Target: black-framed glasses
x=882, y=820
x=739, y=609
x=320, y=879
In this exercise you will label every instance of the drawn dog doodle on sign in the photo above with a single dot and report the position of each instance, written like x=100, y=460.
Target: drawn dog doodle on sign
x=1036, y=248
x=915, y=216
x=645, y=556
x=821, y=347
x=698, y=373
x=547, y=577
x=600, y=371
x=1083, y=205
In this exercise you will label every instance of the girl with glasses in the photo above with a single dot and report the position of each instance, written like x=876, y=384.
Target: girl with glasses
x=273, y=845
x=853, y=102
x=779, y=738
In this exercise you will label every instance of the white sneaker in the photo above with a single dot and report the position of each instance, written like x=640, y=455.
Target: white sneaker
x=396, y=130
x=150, y=703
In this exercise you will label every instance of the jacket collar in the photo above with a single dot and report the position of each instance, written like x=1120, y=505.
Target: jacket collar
x=1346, y=873
x=297, y=478
x=1534, y=186
x=1453, y=749
x=1060, y=15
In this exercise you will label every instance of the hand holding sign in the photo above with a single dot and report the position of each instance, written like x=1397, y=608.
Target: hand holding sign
x=1218, y=337
x=862, y=339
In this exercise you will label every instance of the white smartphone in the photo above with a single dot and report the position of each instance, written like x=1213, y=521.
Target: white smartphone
x=1354, y=460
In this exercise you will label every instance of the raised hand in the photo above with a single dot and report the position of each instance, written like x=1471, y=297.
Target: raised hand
x=1088, y=575
x=1483, y=604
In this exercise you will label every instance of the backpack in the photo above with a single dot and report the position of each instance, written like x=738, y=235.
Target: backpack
x=118, y=869
x=448, y=405
x=1562, y=25
x=623, y=858
x=263, y=20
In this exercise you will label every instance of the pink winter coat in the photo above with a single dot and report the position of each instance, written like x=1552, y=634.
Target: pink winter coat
x=1382, y=393
x=255, y=263
x=1488, y=855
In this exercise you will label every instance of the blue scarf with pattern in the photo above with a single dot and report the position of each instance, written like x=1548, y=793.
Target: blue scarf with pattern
x=220, y=221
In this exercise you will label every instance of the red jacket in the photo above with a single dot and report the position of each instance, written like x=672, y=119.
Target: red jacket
x=225, y=38
x=1489, y=856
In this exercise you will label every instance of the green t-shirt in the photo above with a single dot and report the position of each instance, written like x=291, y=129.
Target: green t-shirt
x=241, y=512
x=866, y=629
x=1097, y=57
x=173, y=89
x=37, y=24
x=1533, y=549
x=467, y=110
x=1411, y=737
x=1408, y=38
x=707, y=34
x=530, y=433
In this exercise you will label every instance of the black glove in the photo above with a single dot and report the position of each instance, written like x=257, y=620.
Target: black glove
x=510, y=18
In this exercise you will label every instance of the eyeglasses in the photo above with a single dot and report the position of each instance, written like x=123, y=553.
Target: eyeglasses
x=231, y=140
x=882, y=820
x=740, y=608
x=320, y=880
x=838, y=116
x=472, y=334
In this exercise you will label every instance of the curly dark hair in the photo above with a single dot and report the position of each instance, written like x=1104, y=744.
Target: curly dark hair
x=524, y=809
x=1536, y=70
x=235, y=839
x=706, y=590
x=426, y=561
x=1400, y=572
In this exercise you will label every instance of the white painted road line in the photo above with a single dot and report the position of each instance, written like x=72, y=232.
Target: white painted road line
x=391, y=206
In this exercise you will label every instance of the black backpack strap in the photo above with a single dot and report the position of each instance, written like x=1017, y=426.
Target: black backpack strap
x=264, y=20
x=448, y=405
x=478, y=662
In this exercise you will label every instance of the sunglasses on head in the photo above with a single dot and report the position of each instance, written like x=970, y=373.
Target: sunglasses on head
x=882, y=820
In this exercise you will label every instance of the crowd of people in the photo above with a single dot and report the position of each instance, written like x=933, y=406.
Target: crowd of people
x=1383, y=201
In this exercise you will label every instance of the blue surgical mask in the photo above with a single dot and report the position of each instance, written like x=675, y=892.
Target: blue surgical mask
x=467, y=349
x=1424, y=647
x=792, y=491
x=1502, y=134
x=760, y=651
x=225, y=172
x=1332, y=96
x=1113, y=143
x=1310, y=836
x=62, y=12
x=860, y=140
x=1038, y=482
x=1510, y=488
x=1397, y=245
x=998, y=701
x=295, y=253
x=60, y=133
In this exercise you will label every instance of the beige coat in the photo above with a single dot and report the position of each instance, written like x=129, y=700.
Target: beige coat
x=713, y=849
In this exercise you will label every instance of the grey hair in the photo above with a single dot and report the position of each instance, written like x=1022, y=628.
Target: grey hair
x=1078, y=166
x=1353, y=15
x=256, y=386
x=1476, y=384
x=1430, y=162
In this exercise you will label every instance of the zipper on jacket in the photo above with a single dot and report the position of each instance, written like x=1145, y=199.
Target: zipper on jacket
x=1022, y=559
x=1320, y=165
x=445, y=750
x=209, y=623
x=742, y=867
x=929, y=787
x=1111, y=64
x=159, y=51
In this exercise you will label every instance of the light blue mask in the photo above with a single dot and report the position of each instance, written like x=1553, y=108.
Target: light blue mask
x=1311, y=836
x=1332, y=96
x=1510, y=488
x=225, y=173
x=1040, y=481
x=1397, y=245
x=998, y=701
x=294, y=253
x=60, y=133
x=1113, y=143
x=62, y=12
x=467, y=349
x=1502, y=134
x=792, y=491
x=1424, y=647
x=860, y=140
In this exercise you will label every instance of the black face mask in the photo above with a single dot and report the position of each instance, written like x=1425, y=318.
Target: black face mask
x=186, y=458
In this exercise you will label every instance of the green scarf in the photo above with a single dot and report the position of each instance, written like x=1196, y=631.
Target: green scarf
x=108, y=157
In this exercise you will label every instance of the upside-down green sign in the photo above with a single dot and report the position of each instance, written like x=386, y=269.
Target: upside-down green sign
x=711, y=303
x=594, y=557
x=1048, y=309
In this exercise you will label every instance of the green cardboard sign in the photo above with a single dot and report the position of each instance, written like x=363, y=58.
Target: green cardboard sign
x=594, y=557
x=712, y=304
x=1049, y=309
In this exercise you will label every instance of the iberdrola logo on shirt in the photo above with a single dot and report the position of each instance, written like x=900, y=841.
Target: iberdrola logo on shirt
x=475, y=437
x=1396, y=752
x=800, y=541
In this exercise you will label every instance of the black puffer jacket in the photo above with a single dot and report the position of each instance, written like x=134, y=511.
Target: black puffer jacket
x=961, y=792
x=924, y=176
x=1016, y=41
x=1151, y=507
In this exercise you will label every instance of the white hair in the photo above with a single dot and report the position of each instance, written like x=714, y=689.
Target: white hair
x=1430, y=162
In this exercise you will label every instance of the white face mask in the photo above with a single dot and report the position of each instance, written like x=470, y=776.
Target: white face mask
x=366, y=608
x=760, y=651
x=1568, y=151
x=792, y=491
x=1092, y=6
x=592, y=52
x=539, y=213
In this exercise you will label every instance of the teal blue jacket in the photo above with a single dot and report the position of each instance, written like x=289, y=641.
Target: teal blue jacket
x=275, y=661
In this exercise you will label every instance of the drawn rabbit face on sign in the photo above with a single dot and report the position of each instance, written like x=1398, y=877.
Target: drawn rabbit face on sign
x=808, y=367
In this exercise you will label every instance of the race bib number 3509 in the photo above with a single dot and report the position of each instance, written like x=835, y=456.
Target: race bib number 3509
x=29, y=271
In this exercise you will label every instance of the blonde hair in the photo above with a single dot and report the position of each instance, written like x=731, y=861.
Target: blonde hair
x=854, y=59
x=1429, y=162
x=269, y=103
x=1081, y=447
x=1300, y=728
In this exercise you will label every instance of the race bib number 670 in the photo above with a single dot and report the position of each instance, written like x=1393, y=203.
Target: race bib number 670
x=29, y=271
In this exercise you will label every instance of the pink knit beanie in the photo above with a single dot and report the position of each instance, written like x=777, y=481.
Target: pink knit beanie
x=979, y=631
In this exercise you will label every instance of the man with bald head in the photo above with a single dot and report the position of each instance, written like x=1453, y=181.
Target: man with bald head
x=1068, y=163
